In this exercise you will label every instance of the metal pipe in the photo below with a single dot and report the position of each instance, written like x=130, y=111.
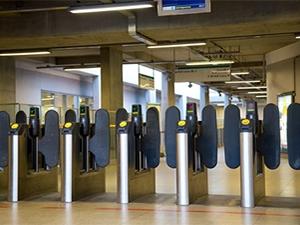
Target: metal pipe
x=13, y=190
x=123, y=186
x=67, y=170
x=182, y=169
x=247, y=177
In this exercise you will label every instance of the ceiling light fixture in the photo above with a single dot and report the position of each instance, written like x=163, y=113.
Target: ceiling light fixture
x=260, y=96
x=20, y=53
x=255, y=87
x=111, y=7
x=240, y=73
x=257, y=92
x=210, y=63
x=242, y=81
x=298, y=36
x=177, y=45
x=79, y=68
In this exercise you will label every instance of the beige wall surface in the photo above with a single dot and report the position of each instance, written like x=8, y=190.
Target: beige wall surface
x=283, y=77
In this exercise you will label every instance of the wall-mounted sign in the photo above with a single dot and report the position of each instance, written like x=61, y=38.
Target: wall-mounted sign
x=203, y=75
x=146, y=82
x=180, y=7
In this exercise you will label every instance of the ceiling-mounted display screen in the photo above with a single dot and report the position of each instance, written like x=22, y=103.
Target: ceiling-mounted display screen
x=181, y=7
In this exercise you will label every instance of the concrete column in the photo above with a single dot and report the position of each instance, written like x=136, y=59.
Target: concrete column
x=8, y=80
x=171, y=89
x=111, y=85
x=8, y=85
x=204, y=97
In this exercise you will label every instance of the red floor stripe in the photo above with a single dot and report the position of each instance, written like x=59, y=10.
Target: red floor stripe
x=201, y=211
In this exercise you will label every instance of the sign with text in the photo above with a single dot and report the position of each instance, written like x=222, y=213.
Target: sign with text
x=203, y=75
x=146, y=82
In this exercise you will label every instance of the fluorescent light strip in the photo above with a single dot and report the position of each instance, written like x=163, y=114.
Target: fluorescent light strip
x=179, y=45
x=297, y=36
x=257, y=92
x=256, y=87
x=80, y=68
x=240, y=73
x=25, y=53
x=242, y=81
x=207, y=63
x=261, y=96
x=111, y=7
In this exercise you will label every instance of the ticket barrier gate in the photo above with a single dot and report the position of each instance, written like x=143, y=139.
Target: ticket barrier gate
x=138, y=153
x=5, y=127
x=252, y=144
x=33, y=155
x=191, y=148
x=85, y=154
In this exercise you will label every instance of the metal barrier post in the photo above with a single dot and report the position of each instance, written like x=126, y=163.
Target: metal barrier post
x=247, y=167
x=182, y=164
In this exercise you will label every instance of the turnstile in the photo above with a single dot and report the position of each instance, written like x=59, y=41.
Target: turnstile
x=33, y=155
x=252, y=144
x=138, y=153
x=85, y=154
x=191, y=148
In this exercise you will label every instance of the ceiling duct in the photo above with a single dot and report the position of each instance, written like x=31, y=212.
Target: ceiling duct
x=132, y=31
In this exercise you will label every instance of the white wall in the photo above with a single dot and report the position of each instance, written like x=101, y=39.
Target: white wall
x=30, y=83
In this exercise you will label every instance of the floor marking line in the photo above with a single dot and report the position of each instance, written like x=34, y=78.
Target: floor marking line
x=201, y=211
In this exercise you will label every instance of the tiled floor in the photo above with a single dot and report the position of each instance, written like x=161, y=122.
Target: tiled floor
x=160, y=209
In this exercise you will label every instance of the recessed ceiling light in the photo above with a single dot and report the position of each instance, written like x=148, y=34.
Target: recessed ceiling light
x=240, y=73
x=242, y=81
x=177, y=45
x=255, y=87
x=257, y=92
x=111, y=7
x=211, y=63
x=20, y=53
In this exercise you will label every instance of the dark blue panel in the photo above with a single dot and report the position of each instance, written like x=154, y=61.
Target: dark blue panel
x=121, y=115
x=271, y=137
x=293, y=135
x=172, y=117
x=21, y=117
x=232, y=136
x=207, y=142
x=100, y=143
x=49, y=144
x=4, y=129
x=70, y=116
x=151, y=140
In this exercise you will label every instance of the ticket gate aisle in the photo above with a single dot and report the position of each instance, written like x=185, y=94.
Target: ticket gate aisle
x=33, y=155
x=5, y=127
x=138, y=153
x=191, y=148
x=85, y=154
x=251, y=144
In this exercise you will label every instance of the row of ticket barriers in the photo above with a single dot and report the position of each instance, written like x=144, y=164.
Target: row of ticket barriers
x=36, y=159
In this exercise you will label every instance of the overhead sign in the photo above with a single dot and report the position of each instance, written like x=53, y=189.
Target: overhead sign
x=146, y=82
x=203, y=75
x=180, y=7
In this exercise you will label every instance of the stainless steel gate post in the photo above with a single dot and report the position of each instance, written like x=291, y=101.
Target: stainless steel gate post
x=247, y=165
x=123, y=182
x=13, y=186
x=67, y=167
x=182, y=171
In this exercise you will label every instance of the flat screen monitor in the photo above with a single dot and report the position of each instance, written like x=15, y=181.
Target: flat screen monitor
x=181, y=7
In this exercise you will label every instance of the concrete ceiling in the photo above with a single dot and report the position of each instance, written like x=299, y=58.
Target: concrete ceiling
x=242, y=30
